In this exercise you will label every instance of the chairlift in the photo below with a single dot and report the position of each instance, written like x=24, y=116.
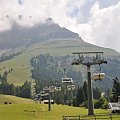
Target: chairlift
x=98, y=76
x=67, y=80
x=36, y=97
x=44, y=94
x=71, y=87
x=45, y=89
x=52, y=88
x=46, y=101
x=58, y=89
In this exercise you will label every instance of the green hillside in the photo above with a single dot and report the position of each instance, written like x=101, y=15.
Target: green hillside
x=14, y=100
x=40, y=112
x=21, y=64
x=68, y=46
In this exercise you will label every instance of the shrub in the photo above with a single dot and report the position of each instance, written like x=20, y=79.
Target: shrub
x=85, y=104
x=105, y=105
x=5, y=102
x=101, y=103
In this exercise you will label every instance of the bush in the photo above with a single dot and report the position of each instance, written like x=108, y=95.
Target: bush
x=101, y=103
x=105, y=105
x=97, y=104
x=75, y=104
x=5, y=102
x=85, y=104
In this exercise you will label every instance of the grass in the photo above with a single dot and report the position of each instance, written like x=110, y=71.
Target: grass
x=40, y=112
x=21, y=64
x=25, y=109
x=14, y=99
x=20, y=69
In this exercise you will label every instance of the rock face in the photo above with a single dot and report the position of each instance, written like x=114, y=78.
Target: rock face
x=18, y=35
x=49, y=32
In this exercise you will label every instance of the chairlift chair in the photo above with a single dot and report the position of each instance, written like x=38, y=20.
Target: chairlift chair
x=67, y=80
x=98, y=76
x=52, y=88
x=58, y=89
x=45, y=88
x=71, y=87
x=46, y=101
x=44, y=94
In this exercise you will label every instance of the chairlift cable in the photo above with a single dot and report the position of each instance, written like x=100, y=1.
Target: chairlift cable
x=114, y=63
x=109, y=77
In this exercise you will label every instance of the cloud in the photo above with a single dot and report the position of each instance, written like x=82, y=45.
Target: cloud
x=94, y=23
x=103, y=26
x=35, y=11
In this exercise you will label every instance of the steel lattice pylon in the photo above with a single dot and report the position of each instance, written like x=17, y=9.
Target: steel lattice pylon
x=88, y=59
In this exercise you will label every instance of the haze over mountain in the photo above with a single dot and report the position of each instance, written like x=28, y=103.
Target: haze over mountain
x=47, y=37
x=20, y=36
x=96, y=21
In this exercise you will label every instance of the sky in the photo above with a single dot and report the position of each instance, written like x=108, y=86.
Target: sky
x=96, y=21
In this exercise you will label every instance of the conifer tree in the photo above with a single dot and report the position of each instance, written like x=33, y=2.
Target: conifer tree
x=96, y=93
x=116, y=90
x=85, y=90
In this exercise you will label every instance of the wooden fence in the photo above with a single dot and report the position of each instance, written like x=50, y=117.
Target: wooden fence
x=89, y=117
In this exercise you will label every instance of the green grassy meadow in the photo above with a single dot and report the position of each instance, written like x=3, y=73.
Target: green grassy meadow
x=21, y=63
x=26, y=109
x=14, y=99
x=40, y=112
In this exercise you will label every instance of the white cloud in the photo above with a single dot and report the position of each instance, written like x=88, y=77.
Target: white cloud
x=102, y=27
x=35, y=11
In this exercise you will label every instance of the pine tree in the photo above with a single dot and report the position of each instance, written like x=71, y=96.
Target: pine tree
x=25, y=90
x=96, y=93
x=12, y=89
x=59, y=98
x=116, y=90
x=85, y=90
x=79, y=97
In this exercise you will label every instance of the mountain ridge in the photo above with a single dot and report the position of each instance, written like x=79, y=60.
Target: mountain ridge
x=19, y=35
x=45, y=33
x=45, y=38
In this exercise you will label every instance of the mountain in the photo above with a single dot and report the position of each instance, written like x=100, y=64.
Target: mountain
x=46, y=33
x=47, y=37
x=19, y=36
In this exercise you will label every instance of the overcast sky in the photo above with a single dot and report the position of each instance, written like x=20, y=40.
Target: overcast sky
x=96, y=21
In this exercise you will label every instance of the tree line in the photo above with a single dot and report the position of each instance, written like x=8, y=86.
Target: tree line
x=5, y=57
x=10, y=89
x=48, y=70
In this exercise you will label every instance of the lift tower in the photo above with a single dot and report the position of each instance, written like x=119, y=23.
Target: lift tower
x=88, y=59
